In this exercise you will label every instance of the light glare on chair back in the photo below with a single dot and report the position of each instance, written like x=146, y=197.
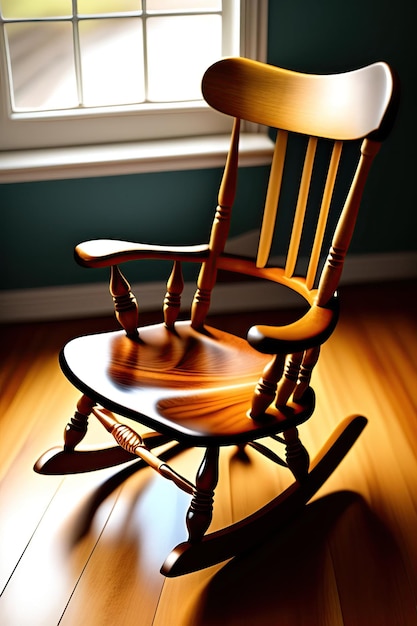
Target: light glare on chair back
x=330, y=106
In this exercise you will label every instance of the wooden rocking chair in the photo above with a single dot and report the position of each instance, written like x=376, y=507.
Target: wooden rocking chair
x=196, y=385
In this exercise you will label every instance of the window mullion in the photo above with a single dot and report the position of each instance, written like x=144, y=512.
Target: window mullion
x=77, y=53
x=145, y=49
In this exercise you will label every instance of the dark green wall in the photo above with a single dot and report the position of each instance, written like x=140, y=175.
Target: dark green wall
x=330, y=36
x=45, y=220
x=42, y=221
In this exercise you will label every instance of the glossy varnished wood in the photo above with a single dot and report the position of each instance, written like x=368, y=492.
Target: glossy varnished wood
x=206, y=387
x=88, y=548
x=203, y=386
x=295, y=101
x=176, y=380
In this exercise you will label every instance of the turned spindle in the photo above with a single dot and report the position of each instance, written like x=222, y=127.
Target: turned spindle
x=76, y=428
x=200, y=513
x=296, y=455
x=172, y=300
x=125, y=304
x=266, y=388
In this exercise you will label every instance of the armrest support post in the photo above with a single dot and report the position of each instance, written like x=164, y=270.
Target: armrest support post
x=125, y=304
x=172, y=301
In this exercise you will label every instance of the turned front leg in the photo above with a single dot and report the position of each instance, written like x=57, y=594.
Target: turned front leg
x=200, y=513
x=76, y=428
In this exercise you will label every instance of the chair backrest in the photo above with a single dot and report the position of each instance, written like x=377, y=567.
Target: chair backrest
x=329, y=111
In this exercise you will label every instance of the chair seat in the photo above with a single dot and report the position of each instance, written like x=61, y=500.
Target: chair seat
x=186, y=383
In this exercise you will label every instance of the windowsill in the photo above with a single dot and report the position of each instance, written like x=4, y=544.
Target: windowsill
x=131, y=158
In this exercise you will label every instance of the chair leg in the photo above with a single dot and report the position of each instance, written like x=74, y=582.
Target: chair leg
x=200, y=512
x=296, y=455
x=245, y=534
x=76, y=428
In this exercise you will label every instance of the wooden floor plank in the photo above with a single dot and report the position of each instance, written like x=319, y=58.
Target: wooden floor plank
x=45, y=576
x=87, y=549
x=126, y=560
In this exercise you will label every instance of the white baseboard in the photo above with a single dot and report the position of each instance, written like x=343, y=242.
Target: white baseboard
x=76, y=301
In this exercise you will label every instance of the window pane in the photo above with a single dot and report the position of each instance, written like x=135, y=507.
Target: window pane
x=36, y=8
x=91, y=7
x=42, y=65
x=183, y=5
x=179, y=51
x=112, y=61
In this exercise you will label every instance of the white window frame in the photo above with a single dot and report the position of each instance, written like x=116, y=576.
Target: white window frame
x=111, y=148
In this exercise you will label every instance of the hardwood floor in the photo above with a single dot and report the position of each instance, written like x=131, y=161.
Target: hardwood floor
x=87, y=549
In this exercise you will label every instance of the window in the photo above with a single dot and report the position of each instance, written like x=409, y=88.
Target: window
x=135, y=53
x=92, y=72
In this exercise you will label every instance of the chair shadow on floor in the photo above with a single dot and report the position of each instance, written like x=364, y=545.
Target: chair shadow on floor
x=80, y=523
x=336, y=564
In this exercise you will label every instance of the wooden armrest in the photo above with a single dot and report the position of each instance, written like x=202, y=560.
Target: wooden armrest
x=309, y=331
x=106, y=252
